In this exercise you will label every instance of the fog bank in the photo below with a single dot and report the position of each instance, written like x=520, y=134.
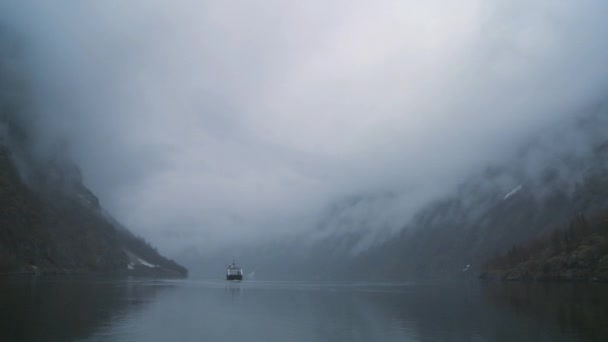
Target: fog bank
x=198, y=122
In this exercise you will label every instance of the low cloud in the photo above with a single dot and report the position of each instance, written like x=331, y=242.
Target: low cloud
x=200, y=122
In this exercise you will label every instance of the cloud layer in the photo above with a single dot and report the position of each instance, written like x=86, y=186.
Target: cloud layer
x=199, y=122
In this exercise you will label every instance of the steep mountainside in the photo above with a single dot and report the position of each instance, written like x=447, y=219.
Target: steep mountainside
x=454, y=237
x=456, y=231
x=60, y=228
x=49, y=221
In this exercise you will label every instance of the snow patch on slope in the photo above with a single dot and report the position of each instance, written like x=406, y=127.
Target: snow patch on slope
x=134, y=260
x=145, y=263
x=513, y=192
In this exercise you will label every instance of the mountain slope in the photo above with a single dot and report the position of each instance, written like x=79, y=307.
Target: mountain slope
x=480, y=222
x=60, y=228
x=536, y=193
x=50, y=222
x=577, y=253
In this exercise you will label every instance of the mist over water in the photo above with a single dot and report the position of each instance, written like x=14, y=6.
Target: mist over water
x=204, y=124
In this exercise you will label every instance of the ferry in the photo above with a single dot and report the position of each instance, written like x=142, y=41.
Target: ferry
x=234, y=272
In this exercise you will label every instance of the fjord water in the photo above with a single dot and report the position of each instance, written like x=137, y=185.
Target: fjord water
x=87, y=309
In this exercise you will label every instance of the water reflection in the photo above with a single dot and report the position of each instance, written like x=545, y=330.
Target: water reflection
x=576, y=309
x=189, y=310
x=234, y=289
x=64, y=308
x=463, y=312
x=257, y=311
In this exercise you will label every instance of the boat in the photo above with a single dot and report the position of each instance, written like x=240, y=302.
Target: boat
x=234, y=272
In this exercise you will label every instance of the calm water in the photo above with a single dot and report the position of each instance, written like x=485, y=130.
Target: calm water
x=81, y=309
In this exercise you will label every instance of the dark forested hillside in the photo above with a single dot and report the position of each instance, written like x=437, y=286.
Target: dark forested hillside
x=579, y=252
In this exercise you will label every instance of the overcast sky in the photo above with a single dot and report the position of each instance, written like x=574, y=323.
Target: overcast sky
x=197, y=122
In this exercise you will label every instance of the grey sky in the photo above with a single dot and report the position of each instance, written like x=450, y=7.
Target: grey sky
x=200, y=121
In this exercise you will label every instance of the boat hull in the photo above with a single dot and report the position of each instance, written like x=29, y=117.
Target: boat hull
x=234, y=277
